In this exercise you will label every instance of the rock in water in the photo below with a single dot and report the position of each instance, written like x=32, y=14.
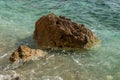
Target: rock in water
x=60, y=32
x=25, y=53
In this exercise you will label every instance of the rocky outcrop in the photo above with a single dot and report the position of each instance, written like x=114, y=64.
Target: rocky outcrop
x=52, y=31
x=25, y=53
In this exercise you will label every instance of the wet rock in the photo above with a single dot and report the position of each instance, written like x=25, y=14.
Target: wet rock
x=25, y=53
x=60, y=32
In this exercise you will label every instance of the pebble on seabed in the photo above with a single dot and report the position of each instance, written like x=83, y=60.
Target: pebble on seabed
x=109, y=77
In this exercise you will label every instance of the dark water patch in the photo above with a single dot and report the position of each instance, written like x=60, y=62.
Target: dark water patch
x=29, y=41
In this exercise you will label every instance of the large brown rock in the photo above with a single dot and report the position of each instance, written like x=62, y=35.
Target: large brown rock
x=52, y=31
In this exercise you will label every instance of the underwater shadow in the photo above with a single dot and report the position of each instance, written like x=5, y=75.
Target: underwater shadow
x=29, y=41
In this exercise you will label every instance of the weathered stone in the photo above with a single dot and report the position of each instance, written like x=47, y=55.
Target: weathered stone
x=25, y=53
x=52, y=31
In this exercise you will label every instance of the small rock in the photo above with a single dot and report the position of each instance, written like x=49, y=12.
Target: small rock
x=25, y=53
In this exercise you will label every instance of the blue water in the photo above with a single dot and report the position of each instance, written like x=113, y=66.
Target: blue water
x=17, y=20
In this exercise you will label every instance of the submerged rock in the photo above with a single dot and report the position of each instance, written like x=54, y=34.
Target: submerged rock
x=25, y=53
x=60, y=32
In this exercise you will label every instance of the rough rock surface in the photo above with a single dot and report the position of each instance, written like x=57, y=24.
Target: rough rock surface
x=52, y=31
x=25, y=54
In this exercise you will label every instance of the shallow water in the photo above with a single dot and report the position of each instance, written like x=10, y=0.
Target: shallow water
x=17, y=19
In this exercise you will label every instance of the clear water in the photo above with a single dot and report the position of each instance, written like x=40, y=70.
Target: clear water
x=17, y=18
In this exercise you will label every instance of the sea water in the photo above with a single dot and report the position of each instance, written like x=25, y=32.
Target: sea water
x=17, y=24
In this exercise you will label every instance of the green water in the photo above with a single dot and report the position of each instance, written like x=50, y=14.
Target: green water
x=17, y=19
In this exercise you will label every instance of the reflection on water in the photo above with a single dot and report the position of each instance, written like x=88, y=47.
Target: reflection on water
x=17, y=18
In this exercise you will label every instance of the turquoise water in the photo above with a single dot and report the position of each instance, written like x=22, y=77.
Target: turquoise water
x=17, y=19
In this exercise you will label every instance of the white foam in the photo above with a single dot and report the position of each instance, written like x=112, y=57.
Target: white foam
x=52, y=78
x=4, y=55
x=9, y=76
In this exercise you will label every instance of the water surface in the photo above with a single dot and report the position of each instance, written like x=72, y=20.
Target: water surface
x=17, y=19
